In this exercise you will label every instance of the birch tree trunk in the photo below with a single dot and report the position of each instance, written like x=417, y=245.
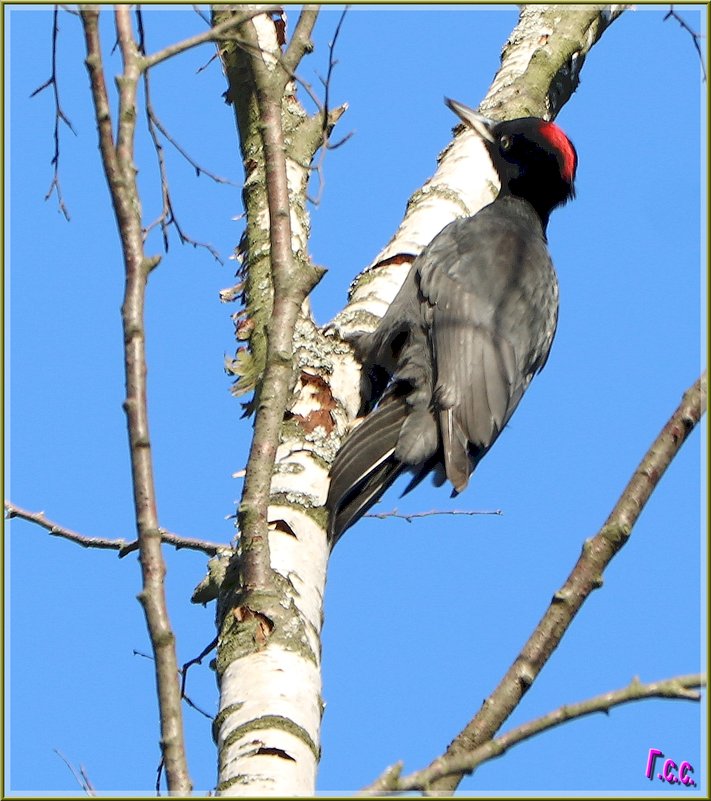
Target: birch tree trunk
x=269, y=618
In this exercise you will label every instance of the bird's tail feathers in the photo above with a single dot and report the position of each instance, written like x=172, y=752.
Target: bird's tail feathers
x=365, y=466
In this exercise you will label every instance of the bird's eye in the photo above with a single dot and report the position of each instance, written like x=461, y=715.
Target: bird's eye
x=505, y=142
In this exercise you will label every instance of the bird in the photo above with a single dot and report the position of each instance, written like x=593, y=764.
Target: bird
x=472, y=324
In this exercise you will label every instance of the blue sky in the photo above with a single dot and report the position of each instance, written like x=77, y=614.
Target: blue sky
x=421, y=619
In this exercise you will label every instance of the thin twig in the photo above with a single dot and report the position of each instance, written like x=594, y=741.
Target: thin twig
x=59, y=116
x=154, y=119
x=164, y=219
x=61, y=531
x=331, y=66
x=171, y=219
x=159, y=773
x=90, y=789
x=254, y=50
x=288, y=64
x=678, y=688
x=289, y=71
x=432, y=513
x=328, y=120
x=167, y=216
x=203, y=16
x=212, y=58
x=183, y=672
x=695, y=37
x=124, y=547
x=80, y=776
x=199, y=169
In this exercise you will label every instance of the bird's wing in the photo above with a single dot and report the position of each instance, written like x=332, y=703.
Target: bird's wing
x=489, y=297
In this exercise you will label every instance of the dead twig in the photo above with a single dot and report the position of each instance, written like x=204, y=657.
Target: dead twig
x=124, y=547
x=183, y=672
x=80, y=775
x=329, y=119
x=432, y=513
x=59, y=116
x=695, y=37
x=167, y=216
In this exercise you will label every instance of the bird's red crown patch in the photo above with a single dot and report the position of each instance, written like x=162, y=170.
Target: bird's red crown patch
x=564, y=146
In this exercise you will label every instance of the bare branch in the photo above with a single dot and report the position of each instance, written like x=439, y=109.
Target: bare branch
x=121, y=178
x=300, y=43
x=585, y=577
x=291, y=286
x=179, y=542
x=215, y=33
x=39, y=519
x=329, y=118
x=59, y=116
x=678, y=688
x=303, y=30
x=432, y=513
x=124, y=547
x=695, y=37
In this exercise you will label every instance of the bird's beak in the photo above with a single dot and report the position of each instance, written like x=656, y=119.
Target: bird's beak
x=482, y=125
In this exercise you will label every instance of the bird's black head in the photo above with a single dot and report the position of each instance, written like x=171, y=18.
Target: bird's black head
x=535, y=160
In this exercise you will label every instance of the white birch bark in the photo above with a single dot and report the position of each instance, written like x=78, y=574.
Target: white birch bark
x=268, y=725
x=270, y=700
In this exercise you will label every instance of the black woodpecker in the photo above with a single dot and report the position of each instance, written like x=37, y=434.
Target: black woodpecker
x=472, y=324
